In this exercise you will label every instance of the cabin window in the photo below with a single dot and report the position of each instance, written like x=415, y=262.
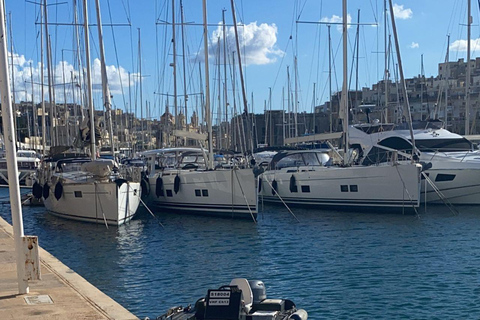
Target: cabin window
x=169, y=193
x=311, y=159
x=205, y=192
x=344, y=188
x=78, y=194
x=198, y=193
x=444, y=177
x=306, y=189
x=293, y=160
x=353, y=188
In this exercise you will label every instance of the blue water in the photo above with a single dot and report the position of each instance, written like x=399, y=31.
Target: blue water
x=336, y=265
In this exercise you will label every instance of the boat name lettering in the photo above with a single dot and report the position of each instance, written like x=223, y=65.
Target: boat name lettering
x=220, y=294
x=219, y=302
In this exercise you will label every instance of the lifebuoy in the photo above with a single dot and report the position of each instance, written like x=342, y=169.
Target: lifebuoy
x=58, y=190
x=46, y=191
x=145, y=187
x=37, y=190
x=293, y=184
x=159, y=187
x=274, y=187
x=176, y=184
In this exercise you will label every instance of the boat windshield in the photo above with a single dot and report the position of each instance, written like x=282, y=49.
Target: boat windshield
x=298, y=160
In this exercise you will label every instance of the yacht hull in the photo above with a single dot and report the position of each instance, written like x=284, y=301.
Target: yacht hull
x=98, y=202
x=356, y=186
x=228, y=193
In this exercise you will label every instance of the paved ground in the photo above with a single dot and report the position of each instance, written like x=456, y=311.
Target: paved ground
x=62, y=293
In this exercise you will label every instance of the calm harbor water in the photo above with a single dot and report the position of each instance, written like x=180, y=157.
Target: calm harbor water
x=333, y=264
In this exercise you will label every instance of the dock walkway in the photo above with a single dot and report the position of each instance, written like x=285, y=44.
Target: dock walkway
x=61, y=294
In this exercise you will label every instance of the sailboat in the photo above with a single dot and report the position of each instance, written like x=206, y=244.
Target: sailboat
x=315, y=177
x=91, y=190
x=187, y=179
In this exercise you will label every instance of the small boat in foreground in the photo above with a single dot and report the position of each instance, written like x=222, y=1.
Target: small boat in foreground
x=241, y=299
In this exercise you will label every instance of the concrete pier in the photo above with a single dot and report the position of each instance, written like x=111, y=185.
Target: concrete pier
x=61, y=294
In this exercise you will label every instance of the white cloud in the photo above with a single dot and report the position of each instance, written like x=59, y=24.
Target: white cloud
x=461, y=45
x=62, y=73
x=257, y=42
x=401, y=13
x=337, y=19
x=414, y=45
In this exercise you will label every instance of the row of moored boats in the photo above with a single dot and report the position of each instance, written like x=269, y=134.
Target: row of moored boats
x=377, y=171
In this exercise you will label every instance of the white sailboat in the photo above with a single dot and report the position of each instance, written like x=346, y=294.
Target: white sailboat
x=91, y=190
x=186, y=179
x=310, y=177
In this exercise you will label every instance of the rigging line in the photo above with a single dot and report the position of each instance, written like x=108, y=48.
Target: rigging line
x=116, y=53
x=125, y=10
x=406, y=190
x=281, y=63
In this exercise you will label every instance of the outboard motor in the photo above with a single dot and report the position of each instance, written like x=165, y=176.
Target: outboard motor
x=258, y=290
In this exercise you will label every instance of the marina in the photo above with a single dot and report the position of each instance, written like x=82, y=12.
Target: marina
x=333, y=264
x=349, y=203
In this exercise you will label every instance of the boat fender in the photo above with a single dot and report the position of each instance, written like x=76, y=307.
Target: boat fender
x=259, y=185
x=145, y=187
x=293, y=184
x=176, y=184
x=426, y=166
x=300, y=314
x=37, y=190
x=58, y=191
x=274, y=187
x=46, y=190
x=159, y=187
x=119, y=182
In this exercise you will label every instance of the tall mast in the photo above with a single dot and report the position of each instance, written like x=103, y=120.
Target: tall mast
x=141, y=89
x=207, y=87
x=105, y=89
x=34, y=109
x=385, y=76
x=406, y=108
x=225, y=98
x=330, y=78
x=219, y=140
x=447, y=77
x=295, y=70
x=89, y=82
x=468, y=80
x=174, y=65
x=244, y=94
x=343, y=114
x=50, y=77
x=289, y=104
x=44, y=121
x=356, y=64
x=185, y=95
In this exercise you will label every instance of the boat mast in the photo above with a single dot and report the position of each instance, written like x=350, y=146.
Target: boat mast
x=185, y=95
x=330, y=77
x=446, y=80
x=468, y=80
x=385, y=77
x=105, y=89
x=343, y=114
x=50, y=79
x=406, y=108
x=207, y=86
x=244, y=94
x=44, y=121
x=225, y=100
x=174, y=65
x=89, y=82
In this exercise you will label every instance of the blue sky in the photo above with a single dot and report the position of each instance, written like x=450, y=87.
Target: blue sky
x=270, y=38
